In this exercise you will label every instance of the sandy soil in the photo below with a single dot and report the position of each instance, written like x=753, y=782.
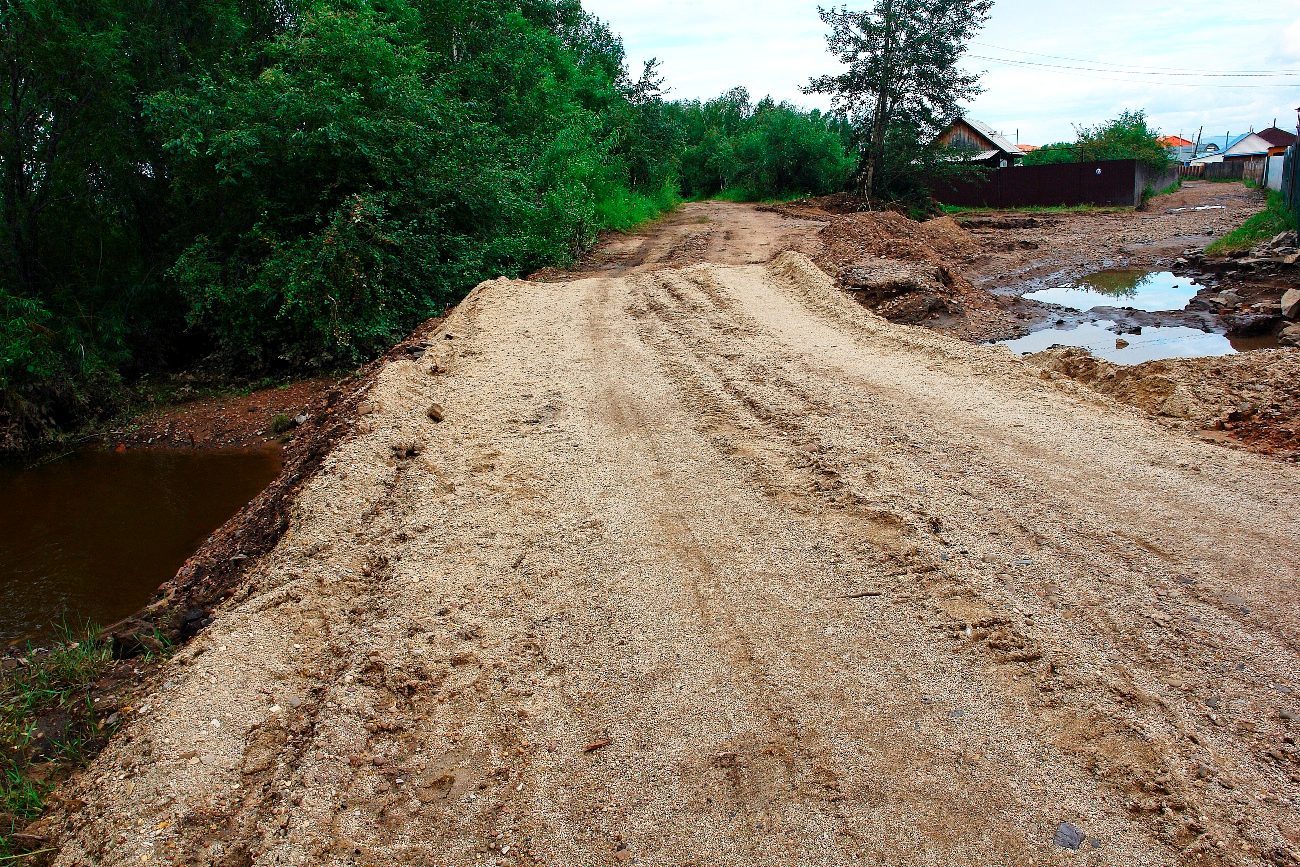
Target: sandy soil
x=722, y=233
x=1251, y=399
x=714, y=566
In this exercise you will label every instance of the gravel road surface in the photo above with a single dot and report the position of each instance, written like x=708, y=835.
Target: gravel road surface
x=712, y=566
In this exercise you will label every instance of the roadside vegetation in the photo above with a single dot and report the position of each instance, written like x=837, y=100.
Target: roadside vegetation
x=50, y=724
x=1125, y=137
x=261, y=190
x=1274, y=219
x=902, y=85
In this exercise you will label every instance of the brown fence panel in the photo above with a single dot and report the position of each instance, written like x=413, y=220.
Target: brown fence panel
x=1111, y=182
x=1228, y=170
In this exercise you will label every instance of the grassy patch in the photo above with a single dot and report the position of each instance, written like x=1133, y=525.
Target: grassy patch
x=623, y=210
x=740, y=194
x=1276, y=217
x=280, y=423
x=49, y=723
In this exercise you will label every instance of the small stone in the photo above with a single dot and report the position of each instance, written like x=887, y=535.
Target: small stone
x=435, y=412
x=1068, y=836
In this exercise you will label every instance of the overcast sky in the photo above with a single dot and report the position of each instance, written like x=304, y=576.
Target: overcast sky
x=773, y=46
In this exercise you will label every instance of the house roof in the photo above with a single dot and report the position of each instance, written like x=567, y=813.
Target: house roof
x=1174, y=141
x=996, y=140
x=1024, y=148
x=1278, y=138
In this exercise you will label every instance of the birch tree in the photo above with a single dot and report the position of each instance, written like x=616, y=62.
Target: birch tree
x=902, y=85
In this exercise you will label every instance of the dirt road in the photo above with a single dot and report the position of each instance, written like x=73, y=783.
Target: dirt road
x=713, y=566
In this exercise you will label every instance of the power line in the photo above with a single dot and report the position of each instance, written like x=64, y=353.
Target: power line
x=1075, y=70
x=1121, y=67
x=1135, y=72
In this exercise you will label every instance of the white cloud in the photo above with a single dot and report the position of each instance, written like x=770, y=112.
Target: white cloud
x=771, y=46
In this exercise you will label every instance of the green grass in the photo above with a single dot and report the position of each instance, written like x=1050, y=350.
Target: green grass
x=48, y=724
x=280, y=423
x=1276, y=217
x=1172, y=188
x=623, y=210
x=956, y=210
x=740, y=194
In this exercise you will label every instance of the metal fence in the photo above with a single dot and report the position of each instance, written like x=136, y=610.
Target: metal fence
x=1112, y=182
x=1291, y=179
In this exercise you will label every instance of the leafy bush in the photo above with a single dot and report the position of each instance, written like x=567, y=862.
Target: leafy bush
x=770, y=150
x=274, y=187
x=1125, y=137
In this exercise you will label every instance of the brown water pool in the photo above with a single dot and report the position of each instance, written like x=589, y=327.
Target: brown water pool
x=92, y=536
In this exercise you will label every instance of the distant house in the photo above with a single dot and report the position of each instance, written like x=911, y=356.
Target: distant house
x=1026, y=149
x=1256, y=144
x=1248, y=146
x=1179, y=148
x=990, y=148
x=1278, y=140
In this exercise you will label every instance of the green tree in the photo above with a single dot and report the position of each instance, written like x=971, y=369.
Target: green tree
x=1124, y=137
x=760, y=151
x=902, y=84
x=85, y=230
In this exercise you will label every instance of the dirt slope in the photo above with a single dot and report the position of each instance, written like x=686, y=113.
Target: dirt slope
x=713, y=566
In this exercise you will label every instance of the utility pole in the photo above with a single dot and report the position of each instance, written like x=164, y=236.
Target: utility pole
x=1196, y=148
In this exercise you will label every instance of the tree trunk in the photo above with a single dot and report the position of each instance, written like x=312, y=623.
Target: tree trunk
x=879, y=122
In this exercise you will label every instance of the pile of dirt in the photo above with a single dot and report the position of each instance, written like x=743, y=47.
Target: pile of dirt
x=1251, y=399
x=909, y=272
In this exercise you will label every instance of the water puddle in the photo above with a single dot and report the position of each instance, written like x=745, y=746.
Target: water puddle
x=1171, y=341
x=1123, y=287
x=91, y=536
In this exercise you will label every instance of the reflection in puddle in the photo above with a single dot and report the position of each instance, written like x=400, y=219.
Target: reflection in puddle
x=1151, y=344
x=1123, y=287
x=1255, y=341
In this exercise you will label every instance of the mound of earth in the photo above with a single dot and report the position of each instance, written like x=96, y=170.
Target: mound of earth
x=907, y=271
x=1252, y=398
x=872, y=250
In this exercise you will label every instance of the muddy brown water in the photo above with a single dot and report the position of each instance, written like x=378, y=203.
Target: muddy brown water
x=93, y=535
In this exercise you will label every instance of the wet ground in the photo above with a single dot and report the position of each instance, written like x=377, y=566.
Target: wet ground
x=93, y=535
x=1128, y=316
x=1127, y=287
x=1170, y=341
